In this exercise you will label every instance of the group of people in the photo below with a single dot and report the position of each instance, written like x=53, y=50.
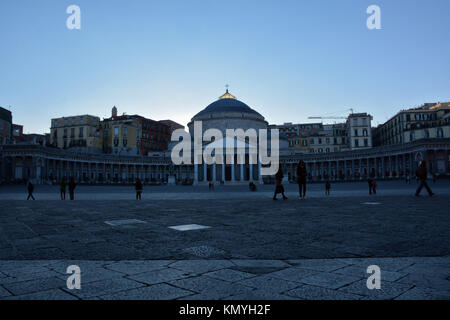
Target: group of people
x=71, y=185
x=301, y=180
x=421, y=174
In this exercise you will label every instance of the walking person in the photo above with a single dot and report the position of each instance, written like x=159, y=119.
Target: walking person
x=30, y=188
x=327, y=187
x=374, y=186
x=279, y=184
x=62, y=189
x=370, y=183
x=138, y=187
x=301, y=179
x=422, y=175
x=72, y=186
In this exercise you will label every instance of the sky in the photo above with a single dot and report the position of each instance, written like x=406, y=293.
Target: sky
x=287, y=59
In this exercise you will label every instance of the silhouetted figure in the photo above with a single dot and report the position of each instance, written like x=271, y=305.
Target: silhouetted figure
x=62, y=189
x=30, y=188
x=374, y=186
x=138, y=187
x=301, y=179
x=327, y=187
x=370, y=183
x=252, y=186
x=421, y=174
x=408, y=179
x=279, y=184
x=211, y=186
x=72, y=186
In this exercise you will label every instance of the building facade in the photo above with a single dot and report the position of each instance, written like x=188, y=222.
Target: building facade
x=339, y=152
x=5, y=126
x=431, y=120
x=78, y=133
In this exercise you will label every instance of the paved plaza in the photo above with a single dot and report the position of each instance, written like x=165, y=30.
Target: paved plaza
x=191, y=243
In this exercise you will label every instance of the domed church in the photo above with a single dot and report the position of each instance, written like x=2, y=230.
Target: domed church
x=230, y=113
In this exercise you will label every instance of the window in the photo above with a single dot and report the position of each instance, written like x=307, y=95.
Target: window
x=320, y=140
x=327, y=150
x=365, y=132
x=72, y=132
x=65, y=132
x=116, y=131
x=328, y=140
x=355, y=122
x=426, y=134
x=364, y=121
x=440, y=133
x=66, y=122
x=81, y=134
x=81, y=120
x=366, y=142
x=311, y=141
x=320, y=150
x=124, y=142
x=412, y=136
x=125, y=131
x=55, y=123
x=356, y=132
x=408, y=117
x=304, y=143
x=356, y=143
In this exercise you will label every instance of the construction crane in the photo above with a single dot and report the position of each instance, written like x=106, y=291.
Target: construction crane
x=331, y=117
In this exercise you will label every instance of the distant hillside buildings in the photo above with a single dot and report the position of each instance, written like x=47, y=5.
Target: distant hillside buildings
x=354, y=134
x=118, y=134
x=431, y=120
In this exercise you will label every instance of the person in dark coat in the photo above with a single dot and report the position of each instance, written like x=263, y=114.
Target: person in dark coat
x=301, y=179
x=327, y=187
x=422, y=175
x=62, y=189
x=30, y=188
x=370, y=183
x=252, y=186
x=279, y=184
x=138, y=187
x=72, y=186
x=374, y=186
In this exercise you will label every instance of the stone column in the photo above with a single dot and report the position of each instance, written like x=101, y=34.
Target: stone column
x=232, y=170
x=214, y=172
x=241, y=175
x=205, y=172
x=250, y=178
x=259, y=171
x=223, y=168
x=195, y=174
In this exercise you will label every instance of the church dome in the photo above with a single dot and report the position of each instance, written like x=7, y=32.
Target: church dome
x=227, y=103
x=229, y=113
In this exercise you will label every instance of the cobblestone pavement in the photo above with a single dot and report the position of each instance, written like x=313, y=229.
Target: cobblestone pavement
x=239, y=248
x=336, y=279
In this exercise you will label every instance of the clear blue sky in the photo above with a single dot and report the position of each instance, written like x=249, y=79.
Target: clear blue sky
x=169, y=59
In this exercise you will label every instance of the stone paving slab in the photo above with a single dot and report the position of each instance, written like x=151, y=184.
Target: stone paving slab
x=157, y=292
x=239, y=230
x=318, y=248
x=217, y=279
